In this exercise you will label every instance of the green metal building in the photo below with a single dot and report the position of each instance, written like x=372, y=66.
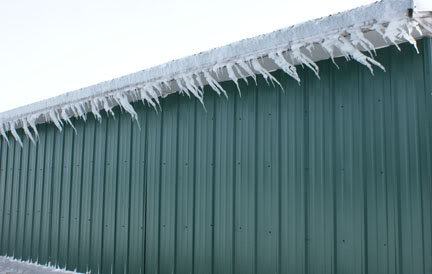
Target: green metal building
x=332, y=175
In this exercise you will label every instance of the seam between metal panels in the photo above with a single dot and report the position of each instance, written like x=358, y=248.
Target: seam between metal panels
x=11, y=198
x=91, y=191
x=418, y=171
x=4, y=191
x=18, y=202
x=425, y=46
x=42, y=191
x=363, y=162
x=256, y=181
x=113, y=265
x=61, y=193
x=234, y=155
x=213, y=180
x=2, y=149
x=176, y=182
x=160, y=189
x=145, y=171
x=70, y=199
x=194, y=186
x=279, y=164
x=50, y=215
x=129, y=196
x=33, y=205
x=333, y=173
x=25, y=197
x=103, y=194
x=306, y=168
x=8, y=150
x=83, y=146
x=395, y=115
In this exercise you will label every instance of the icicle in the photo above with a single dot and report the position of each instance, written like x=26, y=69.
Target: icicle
x=106, y=106
x=158, y=88
x=300, y=57
x=66, y=118
x=14, y=133
x=328, y=45
x=124, y=103
x=32, y=121
x=237, y=70
x=145, y=98
x=345, y=46
x=55, y=119
x=183, y=88
x=27, y=131
x=289, y=68
x=153, y=94
x=200, y=82
x=423, y=23
x=3, y=132
x=190, y=85
x=80, y=110
x=395, y=32
x=232, y=75
x=214, y=84
x=243, y=64
x=358, y=39
x=267, y=75
x=95, y=111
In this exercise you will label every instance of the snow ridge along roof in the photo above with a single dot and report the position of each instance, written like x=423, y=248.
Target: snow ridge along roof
x=354, y=34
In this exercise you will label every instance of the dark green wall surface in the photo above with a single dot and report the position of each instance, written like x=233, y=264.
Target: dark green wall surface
x=330, y=176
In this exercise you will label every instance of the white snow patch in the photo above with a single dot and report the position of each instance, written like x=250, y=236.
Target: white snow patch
x=10, y=265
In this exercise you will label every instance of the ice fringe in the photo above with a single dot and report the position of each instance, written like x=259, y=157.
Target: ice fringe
x=349, y=42
x=13, y=265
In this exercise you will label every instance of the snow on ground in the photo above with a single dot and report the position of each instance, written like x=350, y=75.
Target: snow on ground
x=12, y=266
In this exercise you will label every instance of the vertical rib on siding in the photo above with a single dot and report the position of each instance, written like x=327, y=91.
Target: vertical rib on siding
x=330, y=176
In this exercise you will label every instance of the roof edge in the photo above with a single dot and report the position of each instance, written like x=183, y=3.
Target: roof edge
x=344, y=34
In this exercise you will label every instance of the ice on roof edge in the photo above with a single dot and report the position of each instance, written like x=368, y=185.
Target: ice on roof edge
x=340, y=34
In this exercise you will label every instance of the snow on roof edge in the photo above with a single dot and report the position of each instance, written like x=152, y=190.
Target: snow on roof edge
x=342, y=34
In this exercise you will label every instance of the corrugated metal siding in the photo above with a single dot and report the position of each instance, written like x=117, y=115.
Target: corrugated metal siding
x=333, y=176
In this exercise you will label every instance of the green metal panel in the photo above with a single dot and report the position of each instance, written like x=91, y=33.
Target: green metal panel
x=330, y=176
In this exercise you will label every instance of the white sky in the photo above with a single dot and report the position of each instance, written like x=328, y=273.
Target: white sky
x=48, y=47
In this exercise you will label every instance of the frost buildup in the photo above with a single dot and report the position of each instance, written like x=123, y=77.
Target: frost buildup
x=350, y=43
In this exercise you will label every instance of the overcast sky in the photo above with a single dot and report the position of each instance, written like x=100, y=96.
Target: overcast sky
x=48, y=47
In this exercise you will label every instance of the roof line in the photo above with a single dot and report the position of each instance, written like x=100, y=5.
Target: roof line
x=344, y=34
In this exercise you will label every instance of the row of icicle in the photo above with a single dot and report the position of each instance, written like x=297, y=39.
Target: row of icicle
x=348, y=42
